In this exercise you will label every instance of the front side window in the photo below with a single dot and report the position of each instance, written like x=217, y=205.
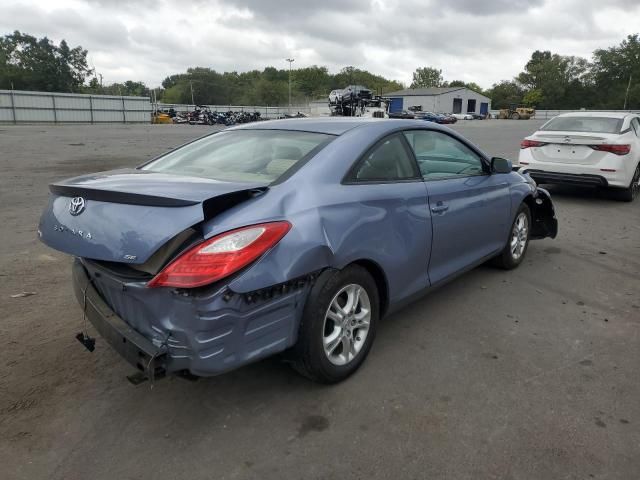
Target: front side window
x=442, y=156
x=389, y=160
x=584, y=124
x=260, y=156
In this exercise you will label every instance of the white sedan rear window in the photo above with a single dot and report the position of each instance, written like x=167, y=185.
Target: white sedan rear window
x=584, y=124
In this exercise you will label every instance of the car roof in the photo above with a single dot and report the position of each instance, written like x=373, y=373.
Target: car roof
x=597, y=114
x=330, y=125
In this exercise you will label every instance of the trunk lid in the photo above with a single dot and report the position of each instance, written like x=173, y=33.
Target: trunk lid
x=571, y=147
x=126, y=215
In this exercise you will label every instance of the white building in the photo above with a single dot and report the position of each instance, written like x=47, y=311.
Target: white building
x=436, y=99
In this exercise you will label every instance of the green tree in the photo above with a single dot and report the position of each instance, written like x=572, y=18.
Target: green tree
x=29, y=63
x=532, y=98
x=615, y=69
x=461, y=83
x=505, y=93
x=552, y=75
x=426, y=77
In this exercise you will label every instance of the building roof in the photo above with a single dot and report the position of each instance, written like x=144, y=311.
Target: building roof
x=423, y=91
x=430, y=92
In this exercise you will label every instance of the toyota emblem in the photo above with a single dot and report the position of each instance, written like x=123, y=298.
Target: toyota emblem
x=76, y=206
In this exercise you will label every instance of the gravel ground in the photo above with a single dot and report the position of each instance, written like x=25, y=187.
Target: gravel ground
x=527, y=374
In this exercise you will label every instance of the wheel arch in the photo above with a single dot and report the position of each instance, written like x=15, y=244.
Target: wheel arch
x=378, y=275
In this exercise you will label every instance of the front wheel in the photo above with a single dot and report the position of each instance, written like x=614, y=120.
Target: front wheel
x=516, y=247
x=338, y=325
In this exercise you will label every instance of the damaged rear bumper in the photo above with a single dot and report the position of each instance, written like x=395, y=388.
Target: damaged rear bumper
x=204, y=333
x=133, y=347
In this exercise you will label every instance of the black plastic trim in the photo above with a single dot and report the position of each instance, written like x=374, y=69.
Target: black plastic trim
x=118, y=197
x=541, y=176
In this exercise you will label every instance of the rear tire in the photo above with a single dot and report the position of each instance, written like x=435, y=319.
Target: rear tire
x=518, y=241
x=630, y=193
x=338, y=325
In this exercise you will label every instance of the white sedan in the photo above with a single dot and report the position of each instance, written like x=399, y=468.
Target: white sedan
x=586, y=148
x=463, y=116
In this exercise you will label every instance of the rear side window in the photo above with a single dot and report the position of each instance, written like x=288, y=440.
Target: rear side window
x=387, y=161
x=584, y=124
x=261, y=156
x=441, y=156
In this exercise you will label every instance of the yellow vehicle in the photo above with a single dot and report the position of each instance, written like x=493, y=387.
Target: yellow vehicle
x=517, y=113
x=161, y=117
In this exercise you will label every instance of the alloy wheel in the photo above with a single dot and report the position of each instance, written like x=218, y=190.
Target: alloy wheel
x=346, y=324
x=519, y=235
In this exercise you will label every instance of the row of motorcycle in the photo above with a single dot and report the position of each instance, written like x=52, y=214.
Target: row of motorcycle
x=203, y=115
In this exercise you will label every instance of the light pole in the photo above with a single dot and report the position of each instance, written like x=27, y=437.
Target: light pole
x=290, y=60
x=626, y=95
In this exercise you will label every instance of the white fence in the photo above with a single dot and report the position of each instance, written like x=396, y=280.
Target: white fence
x=37, y=107
x=46, y=107
x=265, y=112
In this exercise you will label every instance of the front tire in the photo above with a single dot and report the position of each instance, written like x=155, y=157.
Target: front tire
x=518, y=242
x=338, y=325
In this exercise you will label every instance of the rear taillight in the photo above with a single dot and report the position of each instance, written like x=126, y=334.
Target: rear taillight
x=617, y=149
x=531, y=143
x=220, y=256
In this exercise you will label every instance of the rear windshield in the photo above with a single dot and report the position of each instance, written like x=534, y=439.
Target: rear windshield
x=260, y=156
x=584, y=124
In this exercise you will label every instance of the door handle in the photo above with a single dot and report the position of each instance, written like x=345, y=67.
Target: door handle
x=440, y=208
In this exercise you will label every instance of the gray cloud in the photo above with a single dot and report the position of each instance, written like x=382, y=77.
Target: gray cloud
x=482, y=41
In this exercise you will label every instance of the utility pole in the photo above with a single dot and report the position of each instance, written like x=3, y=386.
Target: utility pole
x=290, y=60
x=626, y=95
x=192, y=101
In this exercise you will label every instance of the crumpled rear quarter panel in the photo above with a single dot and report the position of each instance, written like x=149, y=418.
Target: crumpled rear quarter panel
x=206, y=332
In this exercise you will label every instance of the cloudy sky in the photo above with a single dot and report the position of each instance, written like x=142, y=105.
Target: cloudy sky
x=473, y=40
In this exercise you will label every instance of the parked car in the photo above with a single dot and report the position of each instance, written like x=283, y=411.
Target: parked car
x=429, y=117
x=404, y=114
x=599, y=149
x=479, y=116
x=447, y=118
x=356, y=91
x=335, y=97
x=463, y=116
x=296, y=236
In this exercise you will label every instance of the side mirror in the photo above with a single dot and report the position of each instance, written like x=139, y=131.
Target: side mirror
x=500, y=165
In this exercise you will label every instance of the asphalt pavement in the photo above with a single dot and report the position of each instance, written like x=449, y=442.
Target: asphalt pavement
x=527, y=374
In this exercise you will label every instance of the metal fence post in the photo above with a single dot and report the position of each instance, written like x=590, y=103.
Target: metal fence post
x=91, y=108
x=124, y=114
x=55, y=114
x=13, y=108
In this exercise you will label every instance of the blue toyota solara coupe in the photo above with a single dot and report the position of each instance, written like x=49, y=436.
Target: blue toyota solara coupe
x=293, y=235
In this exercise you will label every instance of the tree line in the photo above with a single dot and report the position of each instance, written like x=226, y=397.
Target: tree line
x=609, y=80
